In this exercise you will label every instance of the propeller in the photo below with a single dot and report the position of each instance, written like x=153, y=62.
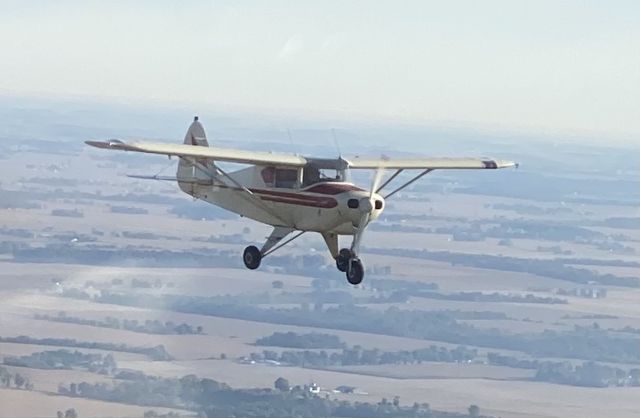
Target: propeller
x=366, y=206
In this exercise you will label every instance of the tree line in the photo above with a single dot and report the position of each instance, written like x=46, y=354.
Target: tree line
x=589, y=374
x=214, y=399
x=357, y=355
x=490, y=297
x=64, y=359
x=17, y=380
x=294, y=340
x=157, y=352
x=555, y=269
x=148, y=327
x=580, y=343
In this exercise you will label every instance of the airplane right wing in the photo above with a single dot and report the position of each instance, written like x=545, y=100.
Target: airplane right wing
x=428, y=163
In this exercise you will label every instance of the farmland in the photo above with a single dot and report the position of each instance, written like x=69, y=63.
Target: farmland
x=456, y=261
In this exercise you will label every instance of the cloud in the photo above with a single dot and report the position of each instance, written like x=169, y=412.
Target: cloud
x=293, y=46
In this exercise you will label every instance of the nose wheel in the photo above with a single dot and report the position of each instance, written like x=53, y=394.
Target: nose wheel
x=252, y=257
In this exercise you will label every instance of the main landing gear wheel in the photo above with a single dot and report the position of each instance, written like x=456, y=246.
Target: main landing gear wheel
x=252, y=257
x=342, y=261
x=355, y=271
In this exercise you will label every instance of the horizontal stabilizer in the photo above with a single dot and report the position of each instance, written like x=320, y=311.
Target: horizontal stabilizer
x=163, y=178
x=191, y=180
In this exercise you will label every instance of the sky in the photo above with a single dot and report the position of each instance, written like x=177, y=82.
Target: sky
x=537, y=66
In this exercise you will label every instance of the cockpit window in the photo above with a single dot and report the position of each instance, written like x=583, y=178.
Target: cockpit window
x=286, y=178
x=312, y=175
x=279, y=177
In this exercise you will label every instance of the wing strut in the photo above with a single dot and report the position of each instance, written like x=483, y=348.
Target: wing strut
x=389, y=180
x=275, y=237
x=251, y=196
x=425, y=172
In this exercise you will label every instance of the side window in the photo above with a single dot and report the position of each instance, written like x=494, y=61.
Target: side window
x=286, y=178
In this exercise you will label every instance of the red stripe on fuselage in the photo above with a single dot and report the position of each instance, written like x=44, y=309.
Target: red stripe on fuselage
x=323, y=203
x=296, y=198
x=293, y=198
x=332, y=188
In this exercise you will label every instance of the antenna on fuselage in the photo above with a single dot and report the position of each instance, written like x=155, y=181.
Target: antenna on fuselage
x=345, y=172
x=293, y=146
x=335, y=142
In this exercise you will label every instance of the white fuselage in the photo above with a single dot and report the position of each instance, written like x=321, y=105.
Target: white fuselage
x=325, y=206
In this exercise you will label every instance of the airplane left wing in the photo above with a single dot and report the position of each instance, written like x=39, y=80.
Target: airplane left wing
x=269, y=158
x=428, y=163
x=214, y=154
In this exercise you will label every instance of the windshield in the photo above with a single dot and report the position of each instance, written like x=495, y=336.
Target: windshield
x=313, y=175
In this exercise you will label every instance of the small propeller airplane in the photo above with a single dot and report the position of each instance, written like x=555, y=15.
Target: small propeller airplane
x=292, y=193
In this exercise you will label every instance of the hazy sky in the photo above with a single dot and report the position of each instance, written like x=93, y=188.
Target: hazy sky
x=555, y=66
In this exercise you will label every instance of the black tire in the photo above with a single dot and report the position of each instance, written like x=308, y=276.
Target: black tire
x=342, y=261
x=252, y=257
x=355, y=272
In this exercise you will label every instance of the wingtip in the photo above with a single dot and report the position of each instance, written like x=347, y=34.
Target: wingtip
x=97, y=144
x=508, y=164
x=112, y=143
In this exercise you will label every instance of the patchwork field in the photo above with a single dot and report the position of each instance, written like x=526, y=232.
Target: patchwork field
x=527, y=306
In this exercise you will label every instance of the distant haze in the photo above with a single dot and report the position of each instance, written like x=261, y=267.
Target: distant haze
x=548, y=66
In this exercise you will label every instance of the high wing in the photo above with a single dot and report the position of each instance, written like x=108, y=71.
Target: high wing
x=217, y=154
x=269, y=158
x=428, y=163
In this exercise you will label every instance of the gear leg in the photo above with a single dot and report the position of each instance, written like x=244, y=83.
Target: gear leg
x=331, y=240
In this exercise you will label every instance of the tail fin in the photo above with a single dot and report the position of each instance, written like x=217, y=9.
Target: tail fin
x=187, y=169
x=196, y=135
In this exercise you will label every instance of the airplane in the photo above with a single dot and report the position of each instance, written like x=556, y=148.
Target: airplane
x=294, y=194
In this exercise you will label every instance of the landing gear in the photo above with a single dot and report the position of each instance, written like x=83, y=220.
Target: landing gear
x=252, y=257
x=348, y=263
x=347, y=260
x=355, y=271
x=342, y=260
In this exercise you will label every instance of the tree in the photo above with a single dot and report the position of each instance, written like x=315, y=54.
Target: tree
x=19, y=380
x=109, y=364
x=70, y=413
x=277, y=284
x=282, y=384
x=474, y=411
x=5, y=377
x=396, y=401
x=59, y=414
